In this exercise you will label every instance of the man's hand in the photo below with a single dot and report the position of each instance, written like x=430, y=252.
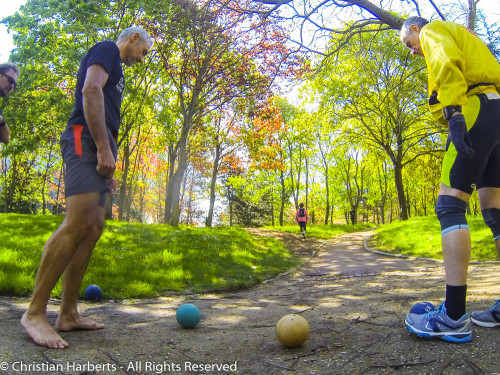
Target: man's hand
x=4, y=131
x=460, y=137
x=105, y=163
x=112, y=186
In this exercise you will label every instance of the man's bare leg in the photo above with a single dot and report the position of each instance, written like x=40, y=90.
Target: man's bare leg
x=456, y=255
x=490, y=198
x=56, y=256
x=69, y=319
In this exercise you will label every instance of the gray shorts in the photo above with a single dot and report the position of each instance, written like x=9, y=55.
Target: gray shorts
x=79, y=154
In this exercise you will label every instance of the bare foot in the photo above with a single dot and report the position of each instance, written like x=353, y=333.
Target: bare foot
x=75, y=323
x=41, y=332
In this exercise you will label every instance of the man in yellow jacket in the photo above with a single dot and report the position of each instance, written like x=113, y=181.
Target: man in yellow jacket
x=464, y=83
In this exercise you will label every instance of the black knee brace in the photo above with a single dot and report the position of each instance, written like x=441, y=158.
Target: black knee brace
x=450, y=212
x=491, y=217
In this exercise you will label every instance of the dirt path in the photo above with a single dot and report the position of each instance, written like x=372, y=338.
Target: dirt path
x=355, y=302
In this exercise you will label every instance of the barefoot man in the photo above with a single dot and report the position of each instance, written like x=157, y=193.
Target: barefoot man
x=89, y=151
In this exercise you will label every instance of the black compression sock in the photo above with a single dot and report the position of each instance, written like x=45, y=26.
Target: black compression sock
x=455, y=301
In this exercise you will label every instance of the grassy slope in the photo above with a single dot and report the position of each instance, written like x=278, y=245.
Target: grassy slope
x=139, y=260
x=422, y=237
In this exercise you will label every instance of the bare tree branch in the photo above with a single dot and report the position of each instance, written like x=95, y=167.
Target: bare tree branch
x=437, y=10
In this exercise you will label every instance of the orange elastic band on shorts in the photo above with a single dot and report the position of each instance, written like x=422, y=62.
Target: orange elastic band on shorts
x=77, y=129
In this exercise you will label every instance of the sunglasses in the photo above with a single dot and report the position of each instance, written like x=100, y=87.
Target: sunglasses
x=11, y=80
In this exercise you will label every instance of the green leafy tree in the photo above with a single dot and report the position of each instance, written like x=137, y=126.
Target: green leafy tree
x=51, y=37
x=212, y=56
x=382, y=102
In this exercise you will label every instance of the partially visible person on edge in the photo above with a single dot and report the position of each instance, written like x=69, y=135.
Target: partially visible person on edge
x=464, y=83
x=9, y=74
x=89, y=152
x=301, y=218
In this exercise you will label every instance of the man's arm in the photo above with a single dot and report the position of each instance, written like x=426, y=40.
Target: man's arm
x=4, y=131
x=93, y=109
x=446, y=64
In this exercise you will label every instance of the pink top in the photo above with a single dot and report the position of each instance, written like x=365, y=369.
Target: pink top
x=301, y=218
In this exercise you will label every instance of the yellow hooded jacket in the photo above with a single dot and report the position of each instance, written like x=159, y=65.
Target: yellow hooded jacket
x=459, y=65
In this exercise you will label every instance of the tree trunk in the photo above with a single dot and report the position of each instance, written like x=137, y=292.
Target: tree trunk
x=129, y=200
x=297, y=188
x=108, y=208
x=424, y=202
x=132, y=187
x=272, y=214
x=398, y=179
x=327, y=185
x=408, y=202
x=177, y=181
x=46, y=174
x=327, y=198
x=9, y=196
x=230, y=213
x=215, y=171
x=159, y=219
x=283, y=196
x=471, y=15
x=189, y=203
x=307, y=184
x=169, y=186
x=122, y=193
x=59, y=183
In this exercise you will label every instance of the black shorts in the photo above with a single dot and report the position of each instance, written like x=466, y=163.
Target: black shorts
x=482, y=115
x=302, y=225
x=79, y=153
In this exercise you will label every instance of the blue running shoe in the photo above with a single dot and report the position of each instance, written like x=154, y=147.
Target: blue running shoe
x=437, y=324
x=489, y=318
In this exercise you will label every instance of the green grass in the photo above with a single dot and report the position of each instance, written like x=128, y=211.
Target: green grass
x=140, y=260
x=323, y=231
x=421, y=237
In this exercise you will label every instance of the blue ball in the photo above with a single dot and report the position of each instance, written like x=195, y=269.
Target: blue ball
x=93, y=293
x=188, y=316
x=422, y=308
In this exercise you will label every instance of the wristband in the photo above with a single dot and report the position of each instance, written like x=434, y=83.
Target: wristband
x=450, y=110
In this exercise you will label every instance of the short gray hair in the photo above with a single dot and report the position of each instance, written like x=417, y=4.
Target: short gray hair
x=7, y=66
x=143, y=34
x=415, y=20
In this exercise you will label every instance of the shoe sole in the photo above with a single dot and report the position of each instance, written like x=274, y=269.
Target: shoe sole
x=485, y=324
x=452, y=337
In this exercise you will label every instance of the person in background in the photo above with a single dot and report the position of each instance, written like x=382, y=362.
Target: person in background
x=301, y=218
x=9, y=74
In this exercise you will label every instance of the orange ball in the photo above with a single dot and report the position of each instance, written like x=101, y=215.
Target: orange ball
x=292, y=330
